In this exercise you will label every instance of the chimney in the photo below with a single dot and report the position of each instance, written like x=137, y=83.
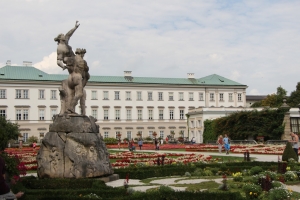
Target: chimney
x=191, y=75
x=127, y=73
x=8, y=62
x=27, y=63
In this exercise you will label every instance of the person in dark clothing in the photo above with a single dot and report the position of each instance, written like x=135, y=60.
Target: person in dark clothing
x=5, y=192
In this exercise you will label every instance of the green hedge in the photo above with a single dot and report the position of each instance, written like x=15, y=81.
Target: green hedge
x=179, y=170
x=44, y=189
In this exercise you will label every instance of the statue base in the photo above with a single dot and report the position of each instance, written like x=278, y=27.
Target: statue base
x=71, y=150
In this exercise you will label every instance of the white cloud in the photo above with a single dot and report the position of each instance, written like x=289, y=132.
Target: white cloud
x=235, y=75
x=254, y=92
x=49, y=64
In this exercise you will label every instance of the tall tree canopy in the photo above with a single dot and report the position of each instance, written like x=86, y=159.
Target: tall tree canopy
x=294, y=98
x=272, y=100
x=8, y=131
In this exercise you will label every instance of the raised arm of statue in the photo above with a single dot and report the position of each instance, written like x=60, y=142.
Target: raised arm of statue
x=70, y=33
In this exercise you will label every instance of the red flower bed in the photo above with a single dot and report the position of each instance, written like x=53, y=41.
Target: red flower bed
x=147, y=146
x=26, y=155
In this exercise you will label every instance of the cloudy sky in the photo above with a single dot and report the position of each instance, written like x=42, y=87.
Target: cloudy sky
x=254, y=42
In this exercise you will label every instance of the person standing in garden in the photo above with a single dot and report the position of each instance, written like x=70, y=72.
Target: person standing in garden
x=220, y=143
x=140, y=143
x=226, y=141
x=295, y=143
x=155, y=143
x=167, y=139
x=119, y=143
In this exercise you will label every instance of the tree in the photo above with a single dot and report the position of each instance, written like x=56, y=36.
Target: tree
x=8, y=131
x=289, y=153
x=32, y=139
x=272, y=100
x=294, y=98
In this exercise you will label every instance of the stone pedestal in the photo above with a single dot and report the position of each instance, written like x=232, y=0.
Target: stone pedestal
x=73, y=148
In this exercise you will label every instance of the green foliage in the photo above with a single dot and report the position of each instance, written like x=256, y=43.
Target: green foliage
x=272, y=100
x=208, y=133
x=279, y=193
x=255, y=170
x=252, y=190
x=110, y=140
x=8, y=131
x=288, y=153
x=32, y=139
x=241, y=125
x=294, y=98
x=11, y=163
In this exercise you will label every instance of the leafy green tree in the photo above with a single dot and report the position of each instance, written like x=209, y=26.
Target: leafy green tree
x=289, y=153
x=208, y=133
x=32, y=139
x=8, y=131
x=294, y=98
x=272, y=100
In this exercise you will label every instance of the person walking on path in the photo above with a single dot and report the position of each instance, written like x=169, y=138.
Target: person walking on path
x=119, y=143
x=140, y=143
x=5, y=192
x=155, y=143
x=167, y=139
x=295, y=143
x=220, y=143
x=226, y=144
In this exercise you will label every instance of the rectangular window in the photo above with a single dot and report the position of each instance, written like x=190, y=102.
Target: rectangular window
x=118, y=133
x=18, y=114
x=129, y=135
x=199, y=123
x=171, y=96
x=105, y=95
x=211, y=96
x=53, y=112
x=94, y=95
x=150, y=114
x=171, y=114
x=53, y=94
x=140, y=114
x=25, y=114
x=41, y=114
x=139, y=96
x=149, y=96
x=230, y=97
x=18, y=94
x=201, y=96
x=150, y=133
x=128, y=95
x=2, y=113
x=128, y=114
x=221, y=97
x=161, y=134
x=181, y=114
x=105, y=134
x=160, y=96
x=95, y=113
x=117, y=113
x=41, y=94
x=25, y=137
x=117, y=95
x=2, y=94
x=239, y=97
x=192, y=124
x=295, y=124
x=105, y=113
x=25, y=94
x=161, y=114
x=180, y=96
x=191, y=96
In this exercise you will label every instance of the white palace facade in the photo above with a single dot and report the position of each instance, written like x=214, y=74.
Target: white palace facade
x=121, y=104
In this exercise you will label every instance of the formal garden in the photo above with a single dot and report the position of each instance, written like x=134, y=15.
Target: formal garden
x=188, y=176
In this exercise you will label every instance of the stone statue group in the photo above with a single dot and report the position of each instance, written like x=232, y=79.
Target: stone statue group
x=72, y=89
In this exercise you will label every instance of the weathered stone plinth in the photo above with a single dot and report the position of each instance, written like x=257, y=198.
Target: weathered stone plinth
x=77, y=151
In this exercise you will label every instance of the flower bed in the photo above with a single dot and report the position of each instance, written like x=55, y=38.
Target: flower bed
x=128, y=158
x=253, y=149
x=27, y=156
x=147, y=146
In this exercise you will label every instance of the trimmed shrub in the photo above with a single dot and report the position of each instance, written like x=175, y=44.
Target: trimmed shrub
x=289, y=153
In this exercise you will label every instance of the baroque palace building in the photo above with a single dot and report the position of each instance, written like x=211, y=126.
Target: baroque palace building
x=121, y=104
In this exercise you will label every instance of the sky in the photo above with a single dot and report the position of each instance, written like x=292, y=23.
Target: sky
x=253, y=42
